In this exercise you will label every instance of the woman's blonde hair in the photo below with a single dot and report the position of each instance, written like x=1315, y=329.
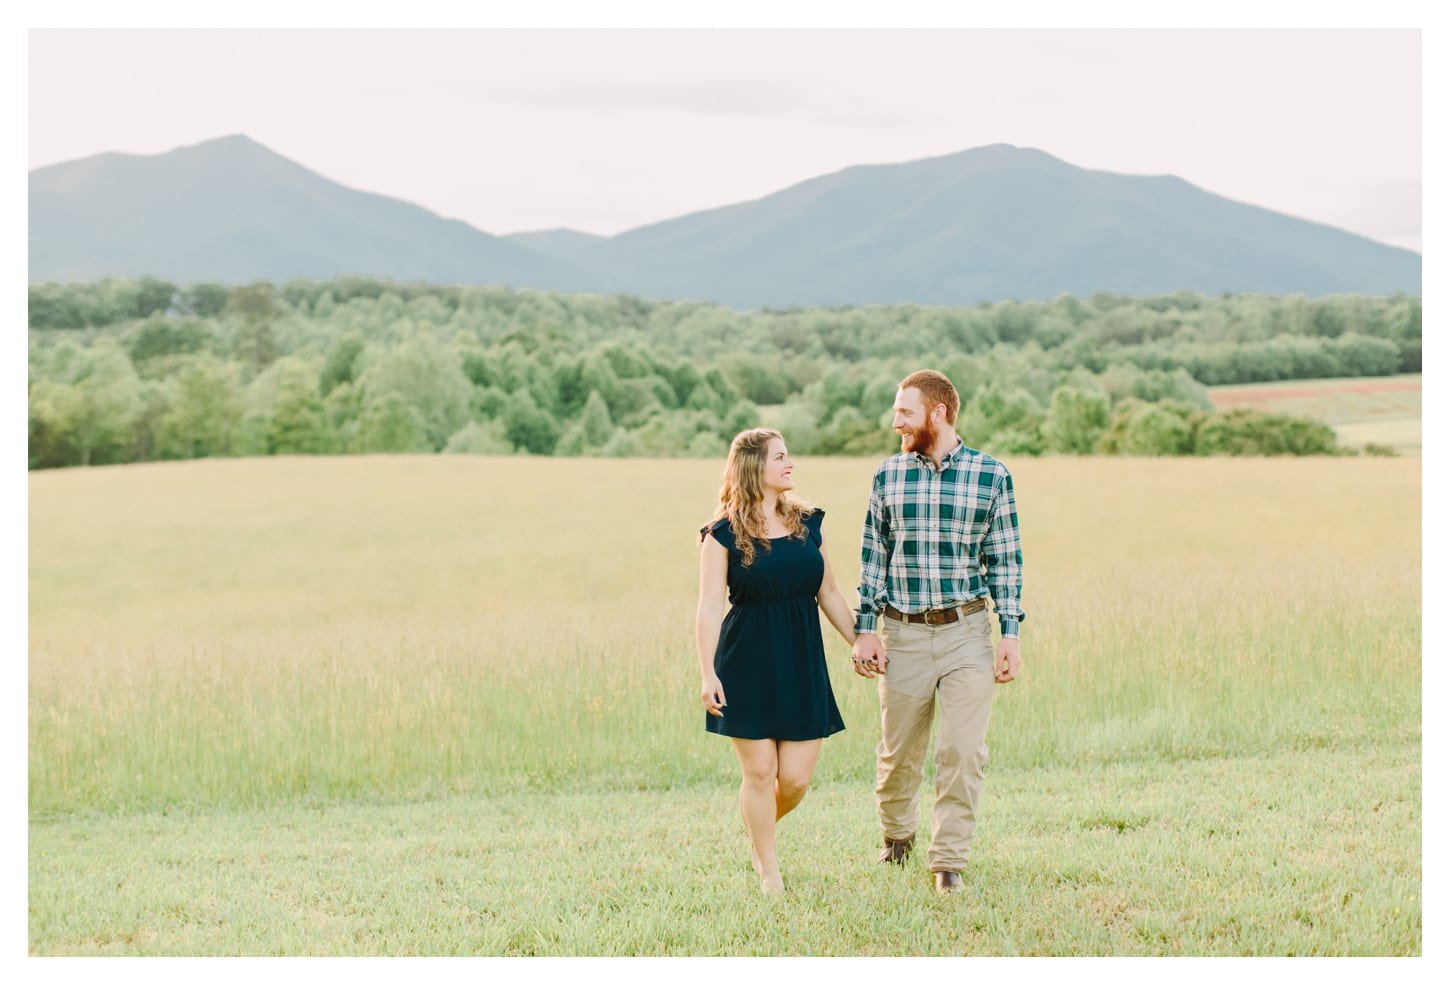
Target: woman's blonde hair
x=742, y=495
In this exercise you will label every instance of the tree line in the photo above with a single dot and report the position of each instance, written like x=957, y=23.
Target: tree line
x=142, y=370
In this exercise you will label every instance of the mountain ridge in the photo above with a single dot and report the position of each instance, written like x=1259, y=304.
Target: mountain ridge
x=983, y=224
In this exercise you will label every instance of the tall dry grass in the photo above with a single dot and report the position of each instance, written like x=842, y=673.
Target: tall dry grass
x=254, y=631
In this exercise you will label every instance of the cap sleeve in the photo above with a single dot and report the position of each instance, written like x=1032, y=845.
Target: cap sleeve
x=721, y=530
x=813, y=524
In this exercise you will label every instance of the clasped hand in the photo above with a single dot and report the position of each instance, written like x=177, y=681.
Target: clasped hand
x=868, y=656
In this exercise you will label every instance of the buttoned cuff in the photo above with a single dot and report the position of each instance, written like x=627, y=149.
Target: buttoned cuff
x=1009, y=628
x=865, y=623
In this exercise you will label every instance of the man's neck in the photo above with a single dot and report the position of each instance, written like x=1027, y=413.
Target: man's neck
x=946, y=443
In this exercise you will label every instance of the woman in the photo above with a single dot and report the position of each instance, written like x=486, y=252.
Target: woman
x=766, y=657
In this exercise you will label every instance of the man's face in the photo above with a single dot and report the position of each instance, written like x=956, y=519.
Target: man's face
x=917, y=429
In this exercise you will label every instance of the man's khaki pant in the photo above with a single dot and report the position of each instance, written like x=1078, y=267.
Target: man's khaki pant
x=955, y=662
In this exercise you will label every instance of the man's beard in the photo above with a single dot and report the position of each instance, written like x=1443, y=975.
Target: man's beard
x=920, y=440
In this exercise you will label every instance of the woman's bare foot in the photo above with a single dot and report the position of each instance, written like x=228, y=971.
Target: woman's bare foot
x=771, y=883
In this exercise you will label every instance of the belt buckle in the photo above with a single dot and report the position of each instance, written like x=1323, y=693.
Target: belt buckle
x=936, y=617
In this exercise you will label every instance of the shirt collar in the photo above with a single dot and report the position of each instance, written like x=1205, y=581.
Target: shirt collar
x=949, y=459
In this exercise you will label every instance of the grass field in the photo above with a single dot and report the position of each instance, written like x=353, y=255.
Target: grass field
x=446, y=705
x=1383, y=410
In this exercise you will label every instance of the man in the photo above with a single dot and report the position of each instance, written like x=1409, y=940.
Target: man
x=940, y=536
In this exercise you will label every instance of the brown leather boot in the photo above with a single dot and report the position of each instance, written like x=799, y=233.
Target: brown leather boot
x=895, y=852
x=947, y=882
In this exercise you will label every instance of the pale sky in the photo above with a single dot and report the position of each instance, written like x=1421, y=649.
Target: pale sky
x=605, y=130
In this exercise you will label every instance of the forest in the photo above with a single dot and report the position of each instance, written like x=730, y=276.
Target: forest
x=145, y=370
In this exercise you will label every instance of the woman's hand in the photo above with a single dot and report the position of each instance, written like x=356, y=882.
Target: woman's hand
x=713, y=695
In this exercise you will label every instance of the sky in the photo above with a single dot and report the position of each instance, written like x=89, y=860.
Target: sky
x=603, y=130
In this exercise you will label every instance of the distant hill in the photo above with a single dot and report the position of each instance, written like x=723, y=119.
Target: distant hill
x=563, y=243
x=986, y=224
x=231, y=210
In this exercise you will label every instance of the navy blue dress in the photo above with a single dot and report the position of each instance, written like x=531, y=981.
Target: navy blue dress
x=770, y=659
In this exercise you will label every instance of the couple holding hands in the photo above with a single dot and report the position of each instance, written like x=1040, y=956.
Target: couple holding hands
x=940, y=537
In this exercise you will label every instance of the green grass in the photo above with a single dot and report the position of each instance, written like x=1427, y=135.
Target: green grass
x=1301, y=853
x=316, y=706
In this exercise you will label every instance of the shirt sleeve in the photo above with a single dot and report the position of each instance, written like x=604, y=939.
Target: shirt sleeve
x=875, y=554
x=1002, y=557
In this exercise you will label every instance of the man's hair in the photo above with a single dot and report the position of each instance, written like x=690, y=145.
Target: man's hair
x=935, y=389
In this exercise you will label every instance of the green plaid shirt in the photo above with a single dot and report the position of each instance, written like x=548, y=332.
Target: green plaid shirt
x=931, y=534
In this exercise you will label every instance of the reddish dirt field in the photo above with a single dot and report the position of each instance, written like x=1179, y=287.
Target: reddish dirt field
x=1232, y=398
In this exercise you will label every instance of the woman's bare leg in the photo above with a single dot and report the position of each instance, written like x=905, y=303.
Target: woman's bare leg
x=758, y=804
x=795, y=762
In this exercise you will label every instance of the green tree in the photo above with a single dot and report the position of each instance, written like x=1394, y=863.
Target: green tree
x=595, y=421
x=1149, y=429
x=90, y=415
x=256, y=310
x=153, y=297
x=622, y=444
x=572, y=443
x=204, y=412
x=760, y=379
x=341, y=363
x=391, y=424
x=480, y=438
x=667, y=434
x=298, y=423
x=158, y=337
x=741, y=416
x=1123, y=410
x=798, y=421
x=205, y=300
x=528, y=427
x=324, y=307
x=155, y=396
x=1076, y=419
x=54, y=411
x=429, y=376
x=55, y=306
x=477, y=366
x=847, y=428
x=1244, y=431
x=1023, y=437
x=993, y=409
x=487, y=402
x=1365, y=356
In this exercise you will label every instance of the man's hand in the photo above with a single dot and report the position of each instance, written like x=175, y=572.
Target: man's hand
x=1009, y=660
x=868, y=656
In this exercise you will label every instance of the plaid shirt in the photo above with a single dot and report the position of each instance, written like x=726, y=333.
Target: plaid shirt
x=930, y=534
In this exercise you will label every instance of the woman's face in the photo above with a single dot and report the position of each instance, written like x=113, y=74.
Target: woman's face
x=778, y=467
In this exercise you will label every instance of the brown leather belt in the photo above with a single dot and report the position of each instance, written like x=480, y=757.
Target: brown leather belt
x=937, y=617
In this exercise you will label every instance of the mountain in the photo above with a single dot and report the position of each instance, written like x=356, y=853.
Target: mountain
x=565, y=244
x=985, y=224
x=231, y=210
